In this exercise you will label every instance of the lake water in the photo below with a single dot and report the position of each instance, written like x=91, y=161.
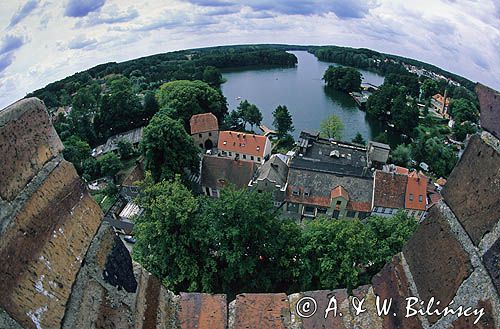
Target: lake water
x=303, y=92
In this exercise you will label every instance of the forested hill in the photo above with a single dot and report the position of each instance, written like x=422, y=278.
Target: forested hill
x=148, y=73
x=380, y=62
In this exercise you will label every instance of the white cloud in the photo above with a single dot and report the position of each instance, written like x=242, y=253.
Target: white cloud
x=59, y=38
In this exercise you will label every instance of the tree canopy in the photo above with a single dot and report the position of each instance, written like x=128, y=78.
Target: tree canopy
x=343, y=78
x=167, y=147
x=358, y=139
x=331, y=127
x=185, y=98
x=249, y=113
x=282, y=121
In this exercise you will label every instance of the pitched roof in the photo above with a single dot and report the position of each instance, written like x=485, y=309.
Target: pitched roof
x=217, y=172
x=339, y=191
x=440, y=98
x=389, y=190
x=416, y=187
x=203, y=122
x=275, y=170
x=233, y=141
x=359, y=206
x=321, y=184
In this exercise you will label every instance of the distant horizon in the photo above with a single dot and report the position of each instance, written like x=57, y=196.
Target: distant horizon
x=44, y=42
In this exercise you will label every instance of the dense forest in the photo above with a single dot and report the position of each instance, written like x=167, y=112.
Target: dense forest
x=148, y=73
x=379, y=62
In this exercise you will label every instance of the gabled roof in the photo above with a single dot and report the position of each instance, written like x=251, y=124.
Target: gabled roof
x=234, y=141
x=339, y=191
x=204, y=122
x=274, y=170
x=389, y=190
x=440, y=98
x=217, y=172
x=417, y=186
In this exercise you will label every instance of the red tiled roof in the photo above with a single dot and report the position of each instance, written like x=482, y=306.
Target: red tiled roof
x=233, y=141
x=440, y=98
x=201, y=123
x=416, y=187
x=339, y=191
x=359, y=206
x=389, y=190
x=401, y=170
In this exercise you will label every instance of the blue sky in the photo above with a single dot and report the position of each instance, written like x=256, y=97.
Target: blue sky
x=46, y=40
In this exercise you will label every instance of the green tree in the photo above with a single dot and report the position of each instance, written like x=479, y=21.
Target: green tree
x=253, y=249
x=463, y=110
x=407, y=80
x=401, y=155
x=110, y=164
x=84, y=108
x=76, y=151
x=391, y=234
x=338, y=251
x=232, y=121
x=382, y=138
x=429, y=88
x=380, y=102
x=167, y=147
x=404, y=114
x=282, y=121
x=249, y=113
x=120, y=110
x=150, y=105
x=171, y=242
x=440, y=157
x=358, y=139
x=212, y=76
x=343, y=78
x=125, y=149
x=186, y=98
x=331, y=127
x=460, y=130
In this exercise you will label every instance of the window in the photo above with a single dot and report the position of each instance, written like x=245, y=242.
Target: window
x=388, y=211
x=295, y=191
x=363, y=215
x=322, y=210
x=307, y=192
x=337, y=206
x=336, y=214
x=230, y=154
x=420, y=198
x=375, y=209
x=258, y=159
x=199, y=135
x=209, y=134
x=309, y=210
x=244, y=156
x=351, y=214
x=251, y=157
x=411, y=196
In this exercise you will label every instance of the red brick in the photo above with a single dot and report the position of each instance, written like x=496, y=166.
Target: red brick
x=261, y=311
x=202, y=311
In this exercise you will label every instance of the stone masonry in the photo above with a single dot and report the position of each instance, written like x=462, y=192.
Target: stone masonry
x=62, y=267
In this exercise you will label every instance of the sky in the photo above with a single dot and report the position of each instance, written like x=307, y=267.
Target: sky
x=46, y=40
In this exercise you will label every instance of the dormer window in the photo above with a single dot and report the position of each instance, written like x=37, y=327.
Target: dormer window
x=258, y=148
x=307, y=192
x=295, y=191
x=225, y=142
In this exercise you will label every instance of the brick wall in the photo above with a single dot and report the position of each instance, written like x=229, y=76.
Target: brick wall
x=62, y=267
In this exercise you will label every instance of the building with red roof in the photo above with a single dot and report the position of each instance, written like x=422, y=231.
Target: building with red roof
x=205, y=130
x=416, y=194
x=243, y=146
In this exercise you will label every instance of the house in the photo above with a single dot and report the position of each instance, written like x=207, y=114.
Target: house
x=416, y=194
x=329, y=178
x=218, y=172
x=272, y=177
x=243, y=146
x=205, y=130
x=440, y=104
x=389, y=190
x=134, y=137
x=396, y=188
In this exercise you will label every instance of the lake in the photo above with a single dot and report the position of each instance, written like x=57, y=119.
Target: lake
x=303, y=92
